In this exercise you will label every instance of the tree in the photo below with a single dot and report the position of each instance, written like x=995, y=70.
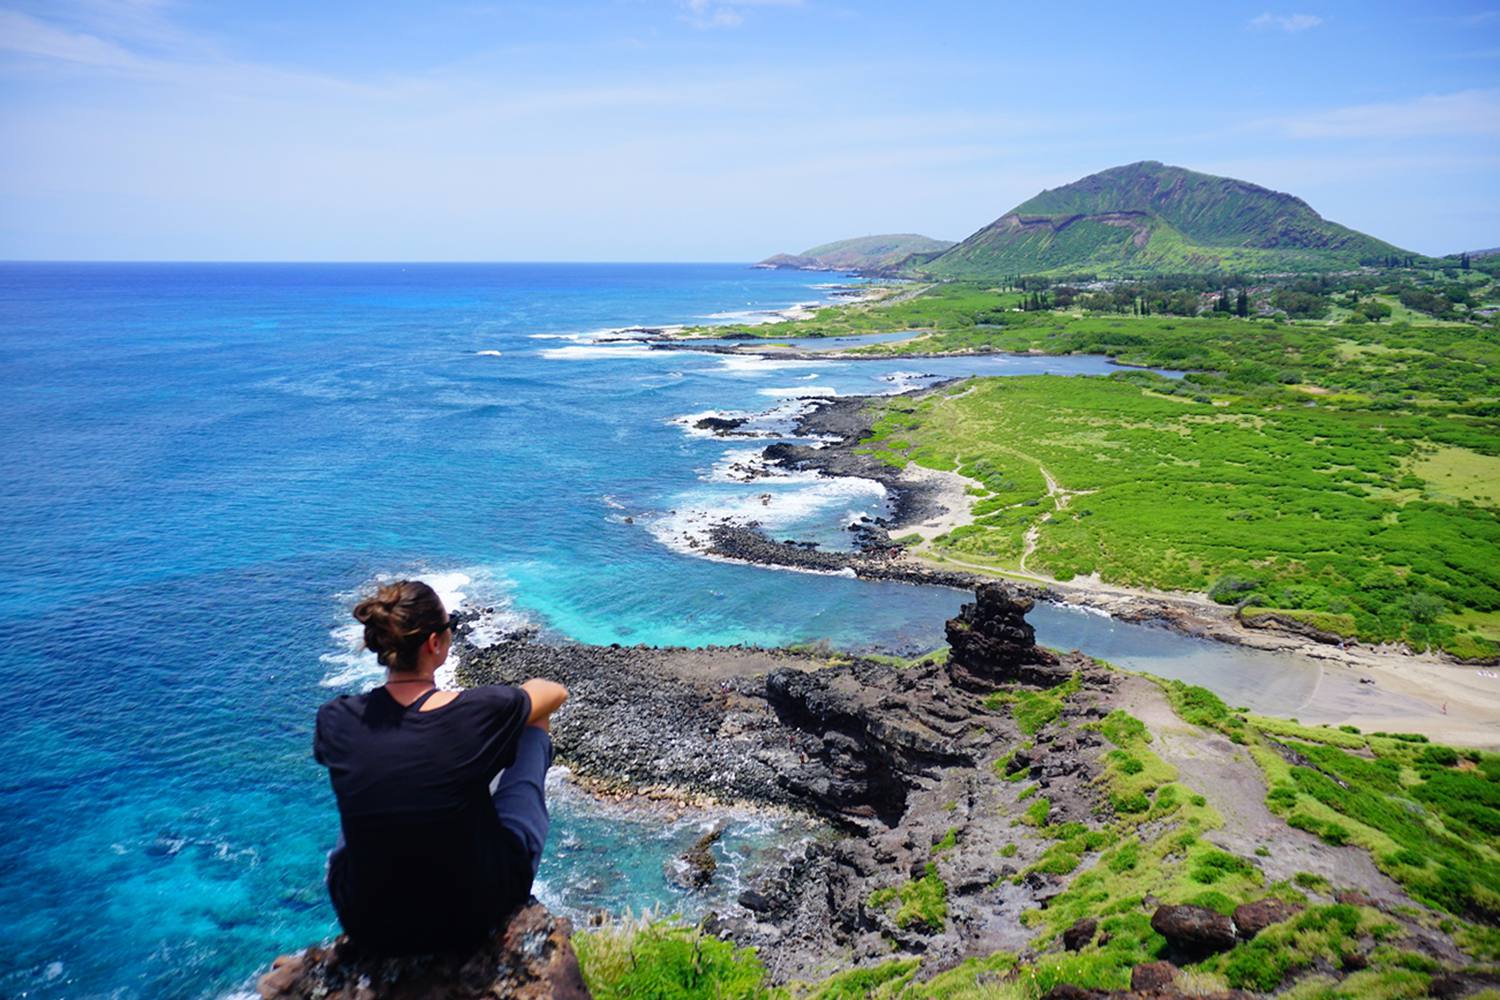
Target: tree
x=1463, y=262
x=1242, y=304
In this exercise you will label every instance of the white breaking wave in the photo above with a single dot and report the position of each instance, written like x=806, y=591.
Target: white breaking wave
x=902, y=381
x=594, y=352
x=488, y=354
x=759, y=364
x=351, y=665
x=800, y=392
x=780, y=503
x=689, y=422
x=1086, y=609
x=777, y=422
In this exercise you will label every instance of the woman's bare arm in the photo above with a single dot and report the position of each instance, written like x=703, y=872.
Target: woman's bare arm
x=546, y=698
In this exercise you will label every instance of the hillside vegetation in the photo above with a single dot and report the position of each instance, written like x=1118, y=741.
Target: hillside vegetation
x=862, y=253
x=1149, y=218
x=1343, y=472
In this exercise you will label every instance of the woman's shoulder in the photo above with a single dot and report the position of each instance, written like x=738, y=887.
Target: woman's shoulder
x=343, y=706
x=492, y=694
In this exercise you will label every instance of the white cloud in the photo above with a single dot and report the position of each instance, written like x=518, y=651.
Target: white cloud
x=26, y=35
x=1465, y=113
x=1290, y=23
x=726, y=14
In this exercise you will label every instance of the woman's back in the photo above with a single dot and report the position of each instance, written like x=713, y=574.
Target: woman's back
x=425, y=864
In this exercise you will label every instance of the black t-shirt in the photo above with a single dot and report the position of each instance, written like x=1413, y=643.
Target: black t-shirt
x=426, y=865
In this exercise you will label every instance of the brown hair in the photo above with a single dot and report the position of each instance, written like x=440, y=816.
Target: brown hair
x=397, y=618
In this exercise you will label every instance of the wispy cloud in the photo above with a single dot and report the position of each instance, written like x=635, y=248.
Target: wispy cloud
x=1290, y=23
x=26, y=35
x=1466, y=113
x=1478, y=17
x=726, y=13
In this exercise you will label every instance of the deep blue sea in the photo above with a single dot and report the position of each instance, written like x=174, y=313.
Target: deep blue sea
x=208, y=463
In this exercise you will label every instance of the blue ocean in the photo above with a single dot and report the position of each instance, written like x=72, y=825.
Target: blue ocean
x=210, y=461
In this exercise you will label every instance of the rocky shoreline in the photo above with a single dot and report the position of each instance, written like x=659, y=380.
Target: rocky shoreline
x=892, y=759
x=928, y=775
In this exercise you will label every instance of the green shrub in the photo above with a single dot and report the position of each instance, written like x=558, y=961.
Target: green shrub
x=1440, y=756
x=1212, y=899
x=1302, y=821
x=1123, y=729
x=1212, y=866
x=1056, y=862
x=859, y=984
x=1198, y=705
x=665, y=959
x=1281, y=797
x=924, y=901
x=1036, y=814
x=1310, y=880
x=1232, y=589
x=1333, y=833
x=1126, y=858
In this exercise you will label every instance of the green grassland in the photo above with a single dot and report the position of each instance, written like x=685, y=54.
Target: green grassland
x=1429, y=815
x=1344, y=474
x=1317, y=508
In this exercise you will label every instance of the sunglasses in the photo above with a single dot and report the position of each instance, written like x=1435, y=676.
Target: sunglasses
x=452, y=622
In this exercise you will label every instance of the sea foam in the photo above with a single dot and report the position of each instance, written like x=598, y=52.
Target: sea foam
x=597, y=352
x=351, y=665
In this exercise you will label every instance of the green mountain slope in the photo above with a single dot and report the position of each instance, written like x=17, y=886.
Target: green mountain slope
x=863, y=253
x=1147, y=217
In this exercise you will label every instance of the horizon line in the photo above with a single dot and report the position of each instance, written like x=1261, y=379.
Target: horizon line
x=249, y=260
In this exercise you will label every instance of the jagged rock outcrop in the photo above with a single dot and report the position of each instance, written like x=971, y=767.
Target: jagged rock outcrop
x=878, y=730
x=695, y=867
x=530, y=959
x=992, y=643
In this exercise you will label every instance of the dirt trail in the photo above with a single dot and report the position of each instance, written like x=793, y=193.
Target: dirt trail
x=1061, y=497
x=1225, y=774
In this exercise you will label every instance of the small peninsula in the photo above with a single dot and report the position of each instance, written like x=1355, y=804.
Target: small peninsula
x=863, y=254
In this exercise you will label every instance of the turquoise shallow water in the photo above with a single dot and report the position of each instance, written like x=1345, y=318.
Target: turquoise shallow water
x=210, y=461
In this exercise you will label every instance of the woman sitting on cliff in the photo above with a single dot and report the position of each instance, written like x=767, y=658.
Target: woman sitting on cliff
x=435, y=849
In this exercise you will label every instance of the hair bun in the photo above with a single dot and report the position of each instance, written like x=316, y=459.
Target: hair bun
x=396, y=614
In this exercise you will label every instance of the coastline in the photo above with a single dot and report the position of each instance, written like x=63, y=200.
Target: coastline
x=901, y=768
x=885, y=761
x=1426, y=693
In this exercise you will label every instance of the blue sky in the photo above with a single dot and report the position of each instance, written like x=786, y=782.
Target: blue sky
x=708, y=130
